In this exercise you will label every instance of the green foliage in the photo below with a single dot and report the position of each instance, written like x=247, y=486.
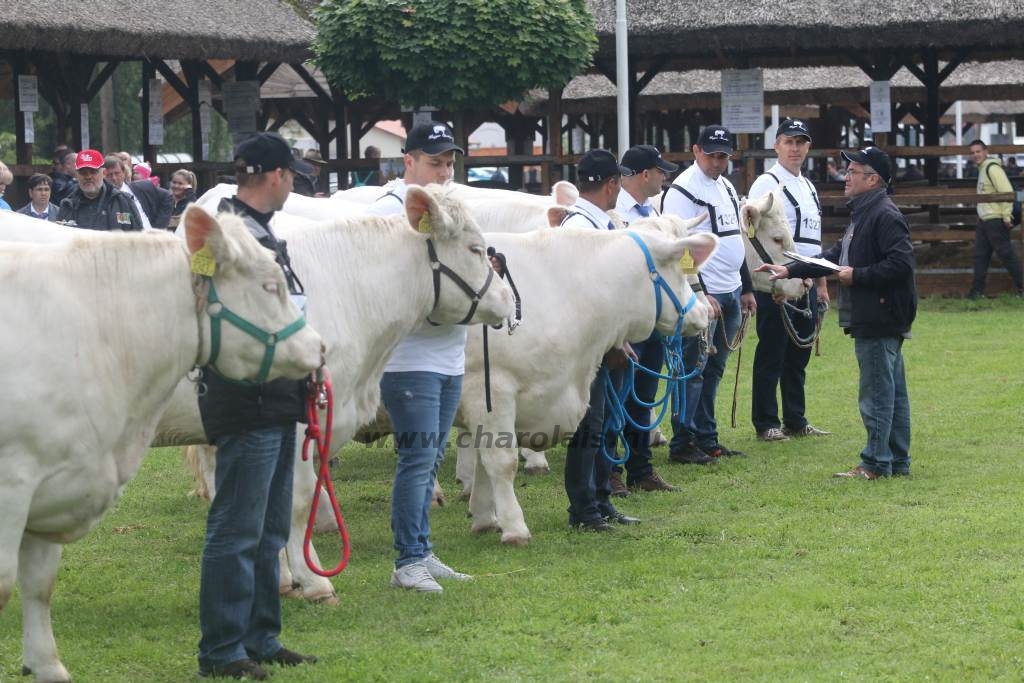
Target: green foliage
x=452, y=53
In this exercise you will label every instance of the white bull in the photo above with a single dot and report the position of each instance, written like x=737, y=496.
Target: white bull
x=584, y=292
x=369, y=283
x=81, y=314
x=766, y=219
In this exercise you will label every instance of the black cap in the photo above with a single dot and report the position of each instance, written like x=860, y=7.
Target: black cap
x=265, y=152
x=793, y=128
x=431, y=138
x=597, y=165
x=642, y=157
x=716, y=139
x=876, y=159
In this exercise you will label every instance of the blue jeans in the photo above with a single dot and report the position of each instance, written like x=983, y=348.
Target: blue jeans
x=884, y=404
x=422, y=408
x=652, y=355
x=248, y=524
x=700, y=426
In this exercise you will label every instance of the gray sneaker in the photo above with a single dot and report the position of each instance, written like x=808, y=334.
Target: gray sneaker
x=772, y=434
x=807, y=430
x=439, y=570
x=415, y=577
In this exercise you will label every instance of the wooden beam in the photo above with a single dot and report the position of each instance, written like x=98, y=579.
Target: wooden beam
x=311, y=82
x=171, y=77
x=102, y=77
x=267, y=71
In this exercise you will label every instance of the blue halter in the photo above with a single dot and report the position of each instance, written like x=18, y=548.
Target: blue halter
x=616, y=414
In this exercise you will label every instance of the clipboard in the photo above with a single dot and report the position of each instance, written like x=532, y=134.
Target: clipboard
x=823, y=263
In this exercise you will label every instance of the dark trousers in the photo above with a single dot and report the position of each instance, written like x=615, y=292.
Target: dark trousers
x=779, y=363
x=652, y=355
x=586, y=470
x=993, y=236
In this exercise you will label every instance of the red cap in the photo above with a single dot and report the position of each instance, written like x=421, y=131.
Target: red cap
x=89, y=158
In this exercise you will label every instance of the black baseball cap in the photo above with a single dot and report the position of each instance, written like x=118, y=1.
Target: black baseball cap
x=793, y=128
x=876, y=159
x=597, y=165
x=432, y=138
x=716, y=139
x=639, y=158
x=265, y=152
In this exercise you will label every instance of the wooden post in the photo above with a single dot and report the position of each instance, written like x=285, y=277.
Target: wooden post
x=548, y=176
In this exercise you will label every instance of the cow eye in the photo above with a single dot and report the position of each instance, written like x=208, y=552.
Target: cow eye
x=270, y=287
x=477, y=249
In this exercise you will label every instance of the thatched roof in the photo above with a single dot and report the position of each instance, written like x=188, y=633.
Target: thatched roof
x=701, y=89
x=264, y=30
x=807, y=32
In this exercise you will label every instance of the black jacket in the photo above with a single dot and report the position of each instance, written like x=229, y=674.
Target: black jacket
x=110, y=210
x=229, y=407
x=883, y=298
x=156, y=202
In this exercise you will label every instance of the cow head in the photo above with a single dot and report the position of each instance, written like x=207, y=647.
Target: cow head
x=676, y=255
x=765, y=218
x=460, y=246
x=250, y=284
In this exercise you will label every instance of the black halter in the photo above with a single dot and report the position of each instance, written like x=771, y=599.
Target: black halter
x=473, y=295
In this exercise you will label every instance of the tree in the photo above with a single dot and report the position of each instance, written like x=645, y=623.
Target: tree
x=453, y=54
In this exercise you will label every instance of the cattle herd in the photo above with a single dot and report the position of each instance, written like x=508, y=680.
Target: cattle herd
x=79, y=312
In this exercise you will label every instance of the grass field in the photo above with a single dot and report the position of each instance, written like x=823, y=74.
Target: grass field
x=760, y=569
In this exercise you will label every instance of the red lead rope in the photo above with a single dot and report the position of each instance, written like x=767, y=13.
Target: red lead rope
x=321, y=397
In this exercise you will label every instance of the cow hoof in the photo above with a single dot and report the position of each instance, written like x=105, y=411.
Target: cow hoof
x=488, y=528
x=542, y=469
x=518, y=540
x=57, y=674
x=293, y=591
x=331, y=600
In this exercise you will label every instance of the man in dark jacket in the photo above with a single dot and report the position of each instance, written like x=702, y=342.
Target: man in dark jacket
x=253, y=427
x=95, y=204
x=153, y=203
x=877, y=305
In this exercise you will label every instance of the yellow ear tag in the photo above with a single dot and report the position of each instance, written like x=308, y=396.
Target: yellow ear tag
x=687, y=264
x=203, y=262
x=750, y=230
x=424, y=225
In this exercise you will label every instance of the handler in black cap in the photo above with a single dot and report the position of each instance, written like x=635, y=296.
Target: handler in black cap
x=644, y=172
x=253, y=427
x=586, y=470
x=877, y=304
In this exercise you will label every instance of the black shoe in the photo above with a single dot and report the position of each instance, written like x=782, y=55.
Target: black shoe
x=286, y=657
x=620, y=518
x=720, y=451
x=243, y=668
x=598, y=524
x=691, y=455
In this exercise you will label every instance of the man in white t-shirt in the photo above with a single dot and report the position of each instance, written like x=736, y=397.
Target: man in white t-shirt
x=421, y=386
x=702, y=189
x=778, y=362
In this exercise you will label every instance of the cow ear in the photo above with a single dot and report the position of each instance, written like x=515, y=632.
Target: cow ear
x=564, y=193
x=199, y=225
x=556, y=214
x=750, y=215
x=699, y=247
x=424, y=213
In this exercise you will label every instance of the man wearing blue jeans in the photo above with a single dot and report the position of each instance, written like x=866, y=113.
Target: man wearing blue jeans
x=421, y=386
x=877, y=305
x=702, y=189
x=253, y=427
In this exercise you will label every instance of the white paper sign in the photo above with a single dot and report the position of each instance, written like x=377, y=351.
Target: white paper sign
x=85, y=126
x=30, y=128
x=28, y=93
x=743, y=100
x=241, y=100
x=881, y=107
x=156, y=112
x=205, y=105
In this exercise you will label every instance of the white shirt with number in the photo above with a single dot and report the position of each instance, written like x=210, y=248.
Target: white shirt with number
x=803, y=210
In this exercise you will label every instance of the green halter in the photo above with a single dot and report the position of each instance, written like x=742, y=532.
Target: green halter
x=218, y=311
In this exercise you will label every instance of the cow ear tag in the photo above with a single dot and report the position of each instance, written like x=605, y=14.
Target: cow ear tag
x=750, y=230
x=203, y=262
x=687, y=264
x=424, y=224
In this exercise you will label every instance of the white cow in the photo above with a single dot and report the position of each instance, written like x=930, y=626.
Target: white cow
x=370, y=283
x=97, y=333
x=766, y=218
x=584, y=292
x=17, y=227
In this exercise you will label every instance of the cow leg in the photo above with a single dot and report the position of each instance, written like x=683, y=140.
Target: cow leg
x=481, y=498
x=303, y=582
x=465, y=466
x=38, y=561
x=536, y=461
x=655, y=437
x=500, y=465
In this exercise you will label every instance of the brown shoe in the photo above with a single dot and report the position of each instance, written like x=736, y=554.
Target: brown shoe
x=653, y=482
x=859, y=472
x=619, y=489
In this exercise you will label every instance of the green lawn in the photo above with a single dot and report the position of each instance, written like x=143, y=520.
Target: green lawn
x=761, y=569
